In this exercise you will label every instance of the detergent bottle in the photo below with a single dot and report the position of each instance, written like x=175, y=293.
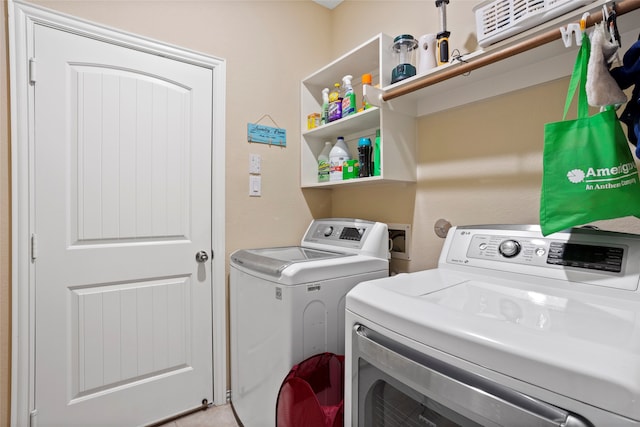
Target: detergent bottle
x=364, y=157
x=376, y=154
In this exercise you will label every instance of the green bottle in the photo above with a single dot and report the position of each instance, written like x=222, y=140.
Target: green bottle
x=323, y=163
x=376, y=154
x=325, y=106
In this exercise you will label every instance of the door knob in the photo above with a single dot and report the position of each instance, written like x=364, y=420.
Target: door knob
x=202, y=256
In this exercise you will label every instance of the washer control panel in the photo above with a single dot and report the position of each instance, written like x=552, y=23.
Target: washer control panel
x=594, y=257
x=541, y=251
x=348, y=235
x=336, y=232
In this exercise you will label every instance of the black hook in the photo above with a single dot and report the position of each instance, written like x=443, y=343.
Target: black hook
x=612, y=22
x=457, y=56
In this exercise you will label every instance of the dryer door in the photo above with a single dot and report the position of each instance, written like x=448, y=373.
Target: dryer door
x=398, y=386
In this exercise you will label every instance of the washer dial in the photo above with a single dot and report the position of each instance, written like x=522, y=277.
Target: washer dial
x=509, y=248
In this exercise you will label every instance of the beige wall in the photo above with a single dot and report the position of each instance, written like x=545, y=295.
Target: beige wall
x=479, y=163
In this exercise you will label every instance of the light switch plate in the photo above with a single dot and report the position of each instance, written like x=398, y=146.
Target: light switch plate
x=255, y=185
x=254, y=163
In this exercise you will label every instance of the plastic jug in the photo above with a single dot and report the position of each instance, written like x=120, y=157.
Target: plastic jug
x=338, y=155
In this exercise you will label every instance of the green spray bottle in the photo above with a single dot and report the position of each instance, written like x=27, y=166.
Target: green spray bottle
x=325, y=106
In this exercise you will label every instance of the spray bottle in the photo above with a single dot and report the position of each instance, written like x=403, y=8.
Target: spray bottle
x=349, y=99
x=325, y=106
x=335, y=103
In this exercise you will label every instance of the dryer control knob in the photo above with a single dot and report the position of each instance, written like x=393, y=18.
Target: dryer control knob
x=328, y=230
x=509, y=248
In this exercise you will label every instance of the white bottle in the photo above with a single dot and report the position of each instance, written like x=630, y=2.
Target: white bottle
x=338, y=155
x=324, y=167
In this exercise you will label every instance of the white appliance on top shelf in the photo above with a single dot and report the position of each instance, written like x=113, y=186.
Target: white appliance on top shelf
x=511, y=329
x=497, y=20
x=288, y=303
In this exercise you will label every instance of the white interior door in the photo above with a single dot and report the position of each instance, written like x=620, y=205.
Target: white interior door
x=122, y=204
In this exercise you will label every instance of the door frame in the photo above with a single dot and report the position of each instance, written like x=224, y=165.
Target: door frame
x=21, y=19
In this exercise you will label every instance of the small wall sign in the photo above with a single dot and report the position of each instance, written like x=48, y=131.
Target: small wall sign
x=266, y=134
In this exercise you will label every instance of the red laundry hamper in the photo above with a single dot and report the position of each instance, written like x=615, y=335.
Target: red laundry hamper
x=312, y=393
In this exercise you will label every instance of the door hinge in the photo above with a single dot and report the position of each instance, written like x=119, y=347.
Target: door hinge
x=33, y=420
x=34, y=247
x=32, y=70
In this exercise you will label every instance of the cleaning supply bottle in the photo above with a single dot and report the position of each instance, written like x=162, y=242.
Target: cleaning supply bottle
x=323, y=162
x=376, y=154
x=337, y=156
x=366, y=81
x=364, y=157
x=324, y=119
x=349, y=99
x=335, y=103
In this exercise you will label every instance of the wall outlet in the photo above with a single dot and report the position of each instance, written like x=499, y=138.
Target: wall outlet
x=399, y=240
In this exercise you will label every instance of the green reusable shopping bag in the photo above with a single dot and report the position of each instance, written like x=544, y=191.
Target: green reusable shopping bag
x=589, y=173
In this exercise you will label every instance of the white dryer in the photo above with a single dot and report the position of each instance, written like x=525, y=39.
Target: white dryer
x=288, y=303
x=512, y=329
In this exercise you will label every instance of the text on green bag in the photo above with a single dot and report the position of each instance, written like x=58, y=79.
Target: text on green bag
x=604, y=174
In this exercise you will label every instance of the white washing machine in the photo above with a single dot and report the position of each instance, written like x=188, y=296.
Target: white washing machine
x=287, y=303
x=511, y=329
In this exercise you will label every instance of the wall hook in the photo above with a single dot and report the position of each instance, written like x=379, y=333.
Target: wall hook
x=583, y=22
x=612, y=22
x=572, y=30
